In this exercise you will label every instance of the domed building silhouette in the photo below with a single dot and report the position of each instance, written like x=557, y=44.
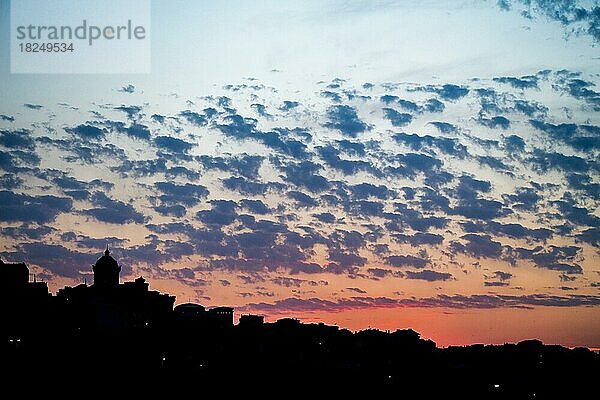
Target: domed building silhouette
x=109, y=304
x=106, y=271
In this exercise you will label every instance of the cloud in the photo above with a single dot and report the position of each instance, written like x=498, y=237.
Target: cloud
x=415, y=142
x=512, y=230
x=397, y=118
x=482, y=301
x=495, y=122
x=444, y=127
x=26, y=232
x=17, y=140
x=221, y=213
x=244, y=164
x=577, y=17
x=39, y=209
x=331, y=155
x=255, y=206
x=86, y=131
x=419, y=238
x=172, y=144
x=449, y=92
x=591, y=236
x=33, y=106
x=345, y=119
x=302, y=199
x=478, y=246
x=325, y=217
x=288, y=105
x=428, y=275
x=407, y=261
x=524, y=82
x=304, y=175
x=55, y=258
x=129, y=88
x=187, y=194
x=112, y=211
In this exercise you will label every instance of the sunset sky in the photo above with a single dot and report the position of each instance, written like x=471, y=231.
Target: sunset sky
x=392, y=164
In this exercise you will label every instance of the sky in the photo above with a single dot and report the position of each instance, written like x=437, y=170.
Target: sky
x=392, y=164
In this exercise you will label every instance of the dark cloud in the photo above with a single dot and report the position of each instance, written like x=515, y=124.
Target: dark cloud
x=244, y=164
x=8, y=118
x=573, y=213
x=407, y=261
x=131, y=111
x=304, y=175
x=345, y=119
x=477, y=301
x=37, y=209
x=514, y=144
x=27, y=232
x=478, y=246
x=419, y=238
x=325, y=217
x=444, y=127
x=302, y=199
x=17, y=140
x=591, y=236
x=33, y=106
x=397, y=222
x=429, y=275
x=173, y=144
x=582, y=138
x=397, y=118
x=495, y=122
x=112, y=211
x=331, y=155
x=512, y=230
x=555, y=259
x=471, y=205
x=583, y=182
x=254, y=206
x=449, y=146
x=288, y=105
x=365, y=190
x=448, y=91
x=55, y=258
x=524, y=82
x=245, y=186
x=10, y=181
x=222, y=213
x=523, y=199
x=86, y=131
x=195, y=118
x=187, y=194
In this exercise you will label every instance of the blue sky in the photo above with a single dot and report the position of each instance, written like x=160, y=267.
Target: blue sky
x=391, y=164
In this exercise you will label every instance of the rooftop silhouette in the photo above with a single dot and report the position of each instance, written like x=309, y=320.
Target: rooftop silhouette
x=95, y=330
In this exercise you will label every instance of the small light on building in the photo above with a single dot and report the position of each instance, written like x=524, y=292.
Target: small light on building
x=496, y=386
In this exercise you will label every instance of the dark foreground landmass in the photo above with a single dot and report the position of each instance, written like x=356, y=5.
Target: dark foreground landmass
x=104, y=337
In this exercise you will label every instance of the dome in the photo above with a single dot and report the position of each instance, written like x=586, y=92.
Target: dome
x=106, y=261
x=106, y=270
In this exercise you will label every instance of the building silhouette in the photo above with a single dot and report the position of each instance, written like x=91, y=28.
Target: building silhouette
x=112, y=333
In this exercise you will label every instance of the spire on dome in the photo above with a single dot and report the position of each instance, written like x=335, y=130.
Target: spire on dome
x=107, y=252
